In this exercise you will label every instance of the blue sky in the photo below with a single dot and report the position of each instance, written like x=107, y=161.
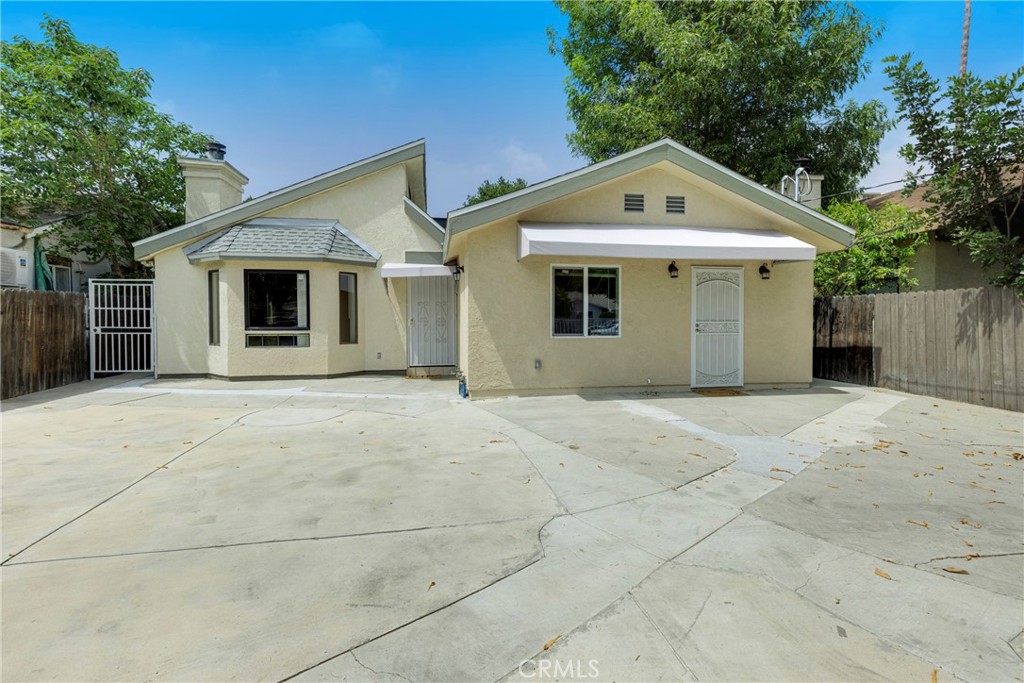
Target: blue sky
x=295, y=89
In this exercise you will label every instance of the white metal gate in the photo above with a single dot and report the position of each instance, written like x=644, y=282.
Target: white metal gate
x=431, y=321
x=121, y=327
x=716, y=350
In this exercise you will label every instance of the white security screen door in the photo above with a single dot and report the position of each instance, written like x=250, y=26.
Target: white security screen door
x=121, y=326
x=717, y=342
x=431, y=321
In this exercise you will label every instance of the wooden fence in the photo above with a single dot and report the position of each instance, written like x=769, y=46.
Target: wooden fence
x=961, y=344
x=42, y=341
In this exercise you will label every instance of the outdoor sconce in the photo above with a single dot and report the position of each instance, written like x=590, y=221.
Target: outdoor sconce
x=673, y=271
x=457, y=273
x=765, y=272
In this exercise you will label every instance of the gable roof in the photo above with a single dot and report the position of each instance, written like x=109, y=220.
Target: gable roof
x=278, y=198
x=288, y=239
x=476, y=215
x=422, y=219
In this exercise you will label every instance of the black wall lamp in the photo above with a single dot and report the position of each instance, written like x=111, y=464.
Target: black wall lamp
x=765, y=272
x=457, y=272
x=673, y=270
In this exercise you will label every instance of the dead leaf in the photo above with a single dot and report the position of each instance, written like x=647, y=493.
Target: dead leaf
x=637, y=658
x=432, y=584
x=562, y=465
x=968, y=543
x=599, y=467
x=475, y=474
x=916, y=475
x=698, y=455
x=884, y=575
x=547, y=645
x=186, y=442
x=284, y=446
x=779, y=469
x=574, y=447
x=777, y=479
x=454, y=462
x=935, y=676
x=955, y=570
x=938, y=467
x=660, y=436
x=924, y=524
x=967, y=522
x=971, y=556
x=1018, y=456
x=832, y=486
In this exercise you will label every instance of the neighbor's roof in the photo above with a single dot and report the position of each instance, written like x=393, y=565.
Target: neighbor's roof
x=278, y=198
x=476, y=215
x=915, y=201
x=284, y=239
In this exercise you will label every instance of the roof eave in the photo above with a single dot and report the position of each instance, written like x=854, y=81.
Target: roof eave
x=424, y=221
x=207, y=258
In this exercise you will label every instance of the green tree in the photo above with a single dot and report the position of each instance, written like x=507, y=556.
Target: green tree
x=82, y=140
x=970, y=136
x=881, y=254
x=749, y=84
x=499, y=187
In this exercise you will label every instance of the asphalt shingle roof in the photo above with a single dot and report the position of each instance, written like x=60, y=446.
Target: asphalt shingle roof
x=297, y=239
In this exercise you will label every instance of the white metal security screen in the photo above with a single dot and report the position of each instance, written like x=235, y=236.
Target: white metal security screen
x=121, y=326
x=431, y=321
x=717, y=346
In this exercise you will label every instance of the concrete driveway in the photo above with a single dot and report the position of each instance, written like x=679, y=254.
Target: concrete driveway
x=380, y=529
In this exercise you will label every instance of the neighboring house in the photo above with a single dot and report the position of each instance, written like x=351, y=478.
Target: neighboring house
x=658, y=267
x=19, y=254
x=938, y=263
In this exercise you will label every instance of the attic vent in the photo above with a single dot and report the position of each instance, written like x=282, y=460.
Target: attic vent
x=675, y=204
x=634, y=202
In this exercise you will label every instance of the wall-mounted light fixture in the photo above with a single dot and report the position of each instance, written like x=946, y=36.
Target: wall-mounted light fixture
x=457, y=272
x=673, y=270
x=765, y=272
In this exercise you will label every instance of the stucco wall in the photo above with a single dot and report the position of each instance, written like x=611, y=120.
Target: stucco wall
x=939, y=264
x=372, y=209
x=506, y=304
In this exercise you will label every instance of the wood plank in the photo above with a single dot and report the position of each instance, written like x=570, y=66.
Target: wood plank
x=983, y=321
x=997, y=378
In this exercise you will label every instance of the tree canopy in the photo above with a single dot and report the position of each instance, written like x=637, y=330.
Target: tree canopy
x=969, y=136
x=82, y=141
x=752, y=85
x=490, y=190
x=881, y=254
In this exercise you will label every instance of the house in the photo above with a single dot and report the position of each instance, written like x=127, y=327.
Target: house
x=20, y=249
x=693, y=275
x=938, y=263
x=309, y=280
x=658, y=267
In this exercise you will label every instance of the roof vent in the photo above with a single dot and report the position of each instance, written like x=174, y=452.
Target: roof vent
x=675, y=204
x=634, y=202
x=215, y=150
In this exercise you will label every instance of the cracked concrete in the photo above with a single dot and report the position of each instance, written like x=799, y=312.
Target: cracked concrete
x=371, y=528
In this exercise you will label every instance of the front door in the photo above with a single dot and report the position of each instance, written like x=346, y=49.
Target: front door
x=717, y=342
x=431, y=321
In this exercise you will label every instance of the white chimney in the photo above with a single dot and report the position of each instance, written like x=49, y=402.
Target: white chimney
x=804, y=185
x=211, y=184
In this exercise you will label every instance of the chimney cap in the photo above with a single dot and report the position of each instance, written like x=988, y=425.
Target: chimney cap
x=804, y=162
x=216, y=150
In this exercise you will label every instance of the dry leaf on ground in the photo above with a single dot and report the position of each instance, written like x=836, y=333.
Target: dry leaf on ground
x=547, y=645
x=883, y=574
x=924, y=524
x=955, y=570
x=966, y=522
x=432, y=584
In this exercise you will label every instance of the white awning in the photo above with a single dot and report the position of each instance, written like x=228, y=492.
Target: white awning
x=414, y=270
x=657, y=241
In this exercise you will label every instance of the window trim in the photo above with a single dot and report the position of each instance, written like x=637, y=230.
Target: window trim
x=245, y=285
x=355, y=293
x=586, y=328
x=213, y=307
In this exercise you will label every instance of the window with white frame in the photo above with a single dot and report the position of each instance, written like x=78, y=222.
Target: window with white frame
x=61, y=278
x=585, y=301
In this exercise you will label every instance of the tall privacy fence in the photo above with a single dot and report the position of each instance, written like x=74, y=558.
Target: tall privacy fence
x=42, y=340
x=960, y=344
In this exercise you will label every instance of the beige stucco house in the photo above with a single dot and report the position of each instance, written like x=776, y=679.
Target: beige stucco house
x=655, y=268
x=290, y=283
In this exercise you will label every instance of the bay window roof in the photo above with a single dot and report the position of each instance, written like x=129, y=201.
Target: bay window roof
x=284, y=239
